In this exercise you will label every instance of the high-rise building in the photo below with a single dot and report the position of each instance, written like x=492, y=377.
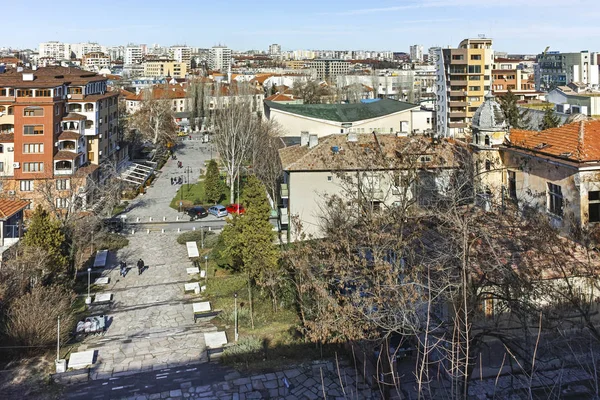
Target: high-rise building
x=463, y=78
x=134, y=54
x=275, y=49
x=558, y=69
x=219, y=58
x=78, y=50
x=433, y=53
x=182, y=54
x=416, y=53
x=329, y=68
x=56, y=50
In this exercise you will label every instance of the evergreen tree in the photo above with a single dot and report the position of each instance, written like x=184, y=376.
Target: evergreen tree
x=514, y=117
x=45, y=232
x=550, y=119
x=213, y=188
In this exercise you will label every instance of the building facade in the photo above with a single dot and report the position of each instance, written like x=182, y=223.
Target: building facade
x=329, y=68
x=275, y=49
x=555, y=69
x=463, y=77
x=95, y=61
x=416, y=53
x=182, y=54
x=219, y=58
x=164, y=68
x=64, y=124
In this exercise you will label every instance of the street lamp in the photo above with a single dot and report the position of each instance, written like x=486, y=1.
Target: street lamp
x=188, y=170
x=206, y=266
x=235, y=316
x=88, y=300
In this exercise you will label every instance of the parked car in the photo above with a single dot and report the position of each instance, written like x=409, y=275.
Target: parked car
x=197, y=212
x=236, y=209
x=218, y=211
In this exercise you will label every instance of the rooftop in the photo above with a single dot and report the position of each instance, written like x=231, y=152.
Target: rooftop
x=46, y=77
x=577, y=141
x=335, y=152
x=344, y=112
x=9, y=207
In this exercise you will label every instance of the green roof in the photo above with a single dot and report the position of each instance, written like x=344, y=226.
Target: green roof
x=344, y=112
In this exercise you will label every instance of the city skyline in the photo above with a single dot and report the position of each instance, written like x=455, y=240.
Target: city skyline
x=515, y=27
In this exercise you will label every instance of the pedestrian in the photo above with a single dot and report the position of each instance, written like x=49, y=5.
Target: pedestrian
x=123, y=268
x=171, y=181
x=140, y=266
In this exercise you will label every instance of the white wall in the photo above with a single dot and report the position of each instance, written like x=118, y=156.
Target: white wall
x=294, y=124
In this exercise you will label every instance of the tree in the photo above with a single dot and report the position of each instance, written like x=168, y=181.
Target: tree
x=155, y=120
x=311, y=92
x=197, y=102
x=213, y=187
x=549, y=120
x=45, y=233
x=265, y=159
x=235, y=128
x=515, y=118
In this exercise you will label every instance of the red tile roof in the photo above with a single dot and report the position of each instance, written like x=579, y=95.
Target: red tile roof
x=69, y=135
x=578, y=141
x=74, y=117
x=66, y=155
x=280, y=97
x=9, y=207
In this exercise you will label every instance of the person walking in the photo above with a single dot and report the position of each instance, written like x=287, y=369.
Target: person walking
x=140, y=266
x=123, y=268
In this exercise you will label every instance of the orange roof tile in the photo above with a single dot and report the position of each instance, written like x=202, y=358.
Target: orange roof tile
x=9, y=207
x=280, y=97
x=578, y=141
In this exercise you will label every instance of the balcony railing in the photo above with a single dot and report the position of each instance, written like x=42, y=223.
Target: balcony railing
x=63, y=171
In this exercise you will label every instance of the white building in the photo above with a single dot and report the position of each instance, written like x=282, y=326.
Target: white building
x=78, y=50
x=219, y=58
x=55, y=50
x=381, y=116
x=416, y=53
x=133, y=54
x=182, y=54
x=275, y=49
x=558, y=69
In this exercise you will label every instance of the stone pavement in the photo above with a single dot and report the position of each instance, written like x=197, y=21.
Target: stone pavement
x=151, y=324
x=155, y=203
x=319, y=380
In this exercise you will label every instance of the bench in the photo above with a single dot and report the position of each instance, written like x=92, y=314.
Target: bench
x=81, y=359
x=215, y=342
x=192, y=249
x=192, y=270
x=103, y=298
x=101, y=258
x=192, y=287
x=201, y=309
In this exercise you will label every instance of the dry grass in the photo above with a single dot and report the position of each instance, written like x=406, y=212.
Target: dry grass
x=29, y=379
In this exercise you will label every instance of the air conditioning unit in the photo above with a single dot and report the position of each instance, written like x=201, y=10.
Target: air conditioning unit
x=16, y=165
x=10, y=149
x=12, y=192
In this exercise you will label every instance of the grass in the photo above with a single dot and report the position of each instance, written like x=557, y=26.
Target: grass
x=119, y=208
x=194, y=195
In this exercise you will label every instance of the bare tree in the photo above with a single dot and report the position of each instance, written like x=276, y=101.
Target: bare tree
x=198, y=103
x=154, y=120
x=265, y=158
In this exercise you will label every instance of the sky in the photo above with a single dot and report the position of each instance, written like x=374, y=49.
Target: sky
x=516, y=26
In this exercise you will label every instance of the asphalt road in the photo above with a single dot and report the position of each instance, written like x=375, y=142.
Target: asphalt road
x=148, y=382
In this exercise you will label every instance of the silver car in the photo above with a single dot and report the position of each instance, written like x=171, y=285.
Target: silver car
x=218, y=211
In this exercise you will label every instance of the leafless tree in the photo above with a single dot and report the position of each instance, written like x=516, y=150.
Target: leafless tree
x=198, y=103
x=265, y=159
x=154, y=120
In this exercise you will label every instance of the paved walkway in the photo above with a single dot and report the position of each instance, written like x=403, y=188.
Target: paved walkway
x=155, y=203
x=151, y=323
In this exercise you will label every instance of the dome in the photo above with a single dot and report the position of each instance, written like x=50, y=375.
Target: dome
x=489, y=116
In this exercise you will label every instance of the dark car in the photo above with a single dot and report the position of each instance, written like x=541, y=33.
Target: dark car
x=197, y=212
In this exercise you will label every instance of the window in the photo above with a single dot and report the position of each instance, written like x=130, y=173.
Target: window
x=33, y=112
x=1, y=166
x=33, y=130
x=594, y=206
x=329, y=178
x=487, y=140
x=474, y=69
x=475, y=78
x=1, y=148
x=555, y=200
x=63, y=184
x=33, y=167
x=458, y=57
x=475, y=88
x=10, y=110
x=512, y=185
x=24, y=93
x=33, y=148
x=475, y=56
x=43, y=93
x=474, y=98
x=26, y=186
x=62, y=203
x=57, y=109
x=29, y=206
x=74, y=90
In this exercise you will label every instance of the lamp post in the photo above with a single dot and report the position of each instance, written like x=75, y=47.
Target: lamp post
x=235, y=315
x=206, y=266
x=88, y=300
x=188, y=170
x=58, y=341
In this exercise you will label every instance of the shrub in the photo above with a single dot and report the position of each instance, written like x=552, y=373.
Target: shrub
x=228, y=314
x=247, y=349
x=112, y=241
x=193, y=236
x=32, y=318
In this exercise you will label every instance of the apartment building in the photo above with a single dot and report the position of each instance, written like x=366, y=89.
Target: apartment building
x=219, y=58
x=182, y=54
x=416, y=53
x=275, y=49
x=55, y=50
x=134, y=54
x=329, y=68
x=164, y=68
x=510, y=74
x=464, y=75
x=63, y=123
x=95, y=61
x=555, y=69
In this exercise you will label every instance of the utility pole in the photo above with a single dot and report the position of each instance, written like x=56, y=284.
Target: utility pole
x=188, y=170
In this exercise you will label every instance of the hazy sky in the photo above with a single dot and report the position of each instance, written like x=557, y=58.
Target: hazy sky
x=517, y=26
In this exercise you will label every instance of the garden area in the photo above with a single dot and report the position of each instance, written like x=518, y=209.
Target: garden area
x=210, y=189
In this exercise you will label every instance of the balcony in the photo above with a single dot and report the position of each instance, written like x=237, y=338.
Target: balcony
x=459, y=93
x=458, y=83
x=284, y=192
x=457, y=124
x=458, y=114
x=457, y=103
x=63, y=167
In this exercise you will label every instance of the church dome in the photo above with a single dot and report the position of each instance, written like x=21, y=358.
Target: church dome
x=489, y=116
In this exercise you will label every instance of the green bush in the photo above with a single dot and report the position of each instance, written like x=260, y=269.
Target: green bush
x=228, y=314
x=193, y=236
x=112, y=241
x=247, y=349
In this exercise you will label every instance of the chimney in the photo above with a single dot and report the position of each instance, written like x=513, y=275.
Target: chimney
x=313, y=141
x=304, y=139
